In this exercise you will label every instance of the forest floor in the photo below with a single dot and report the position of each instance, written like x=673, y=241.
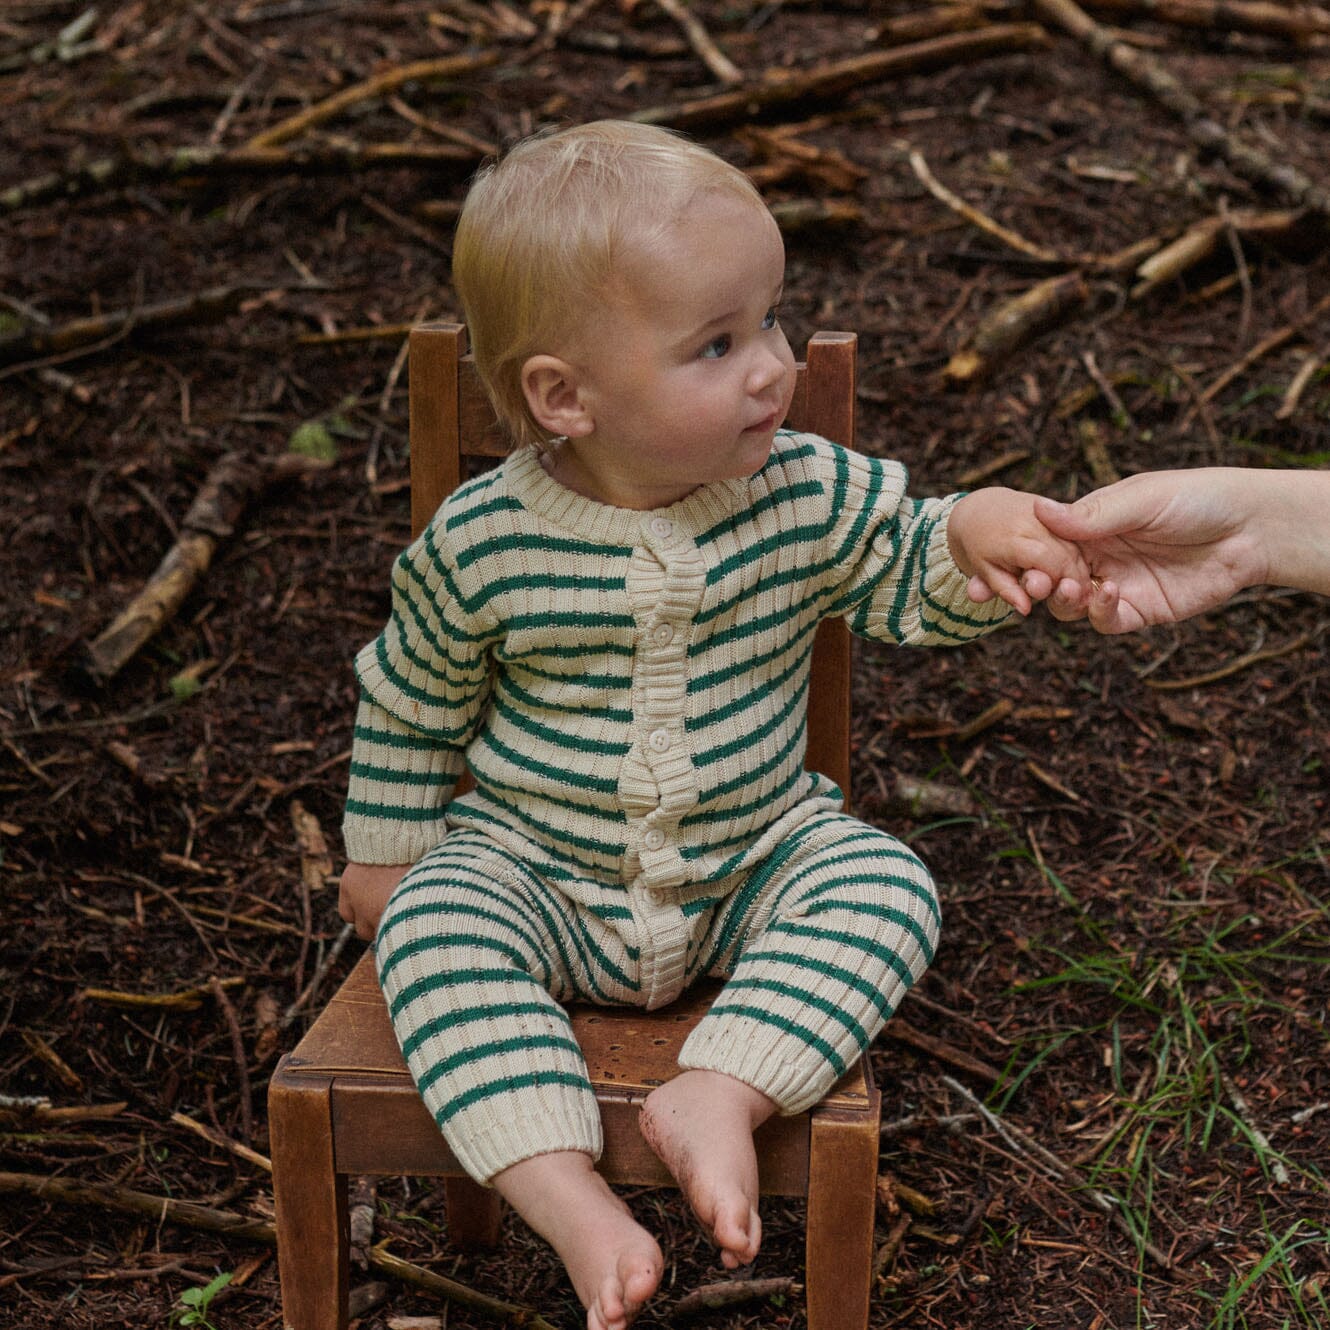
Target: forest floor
x=1134, y=858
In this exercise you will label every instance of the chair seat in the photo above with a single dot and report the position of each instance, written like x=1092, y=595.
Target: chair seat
x=381, y=1125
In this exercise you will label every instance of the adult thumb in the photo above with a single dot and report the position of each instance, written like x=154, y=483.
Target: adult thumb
x=1068, y=520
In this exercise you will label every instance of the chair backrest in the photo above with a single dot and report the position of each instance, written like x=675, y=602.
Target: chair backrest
x=451, y=419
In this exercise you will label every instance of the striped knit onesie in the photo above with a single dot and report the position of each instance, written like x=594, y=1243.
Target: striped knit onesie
x=629, y=690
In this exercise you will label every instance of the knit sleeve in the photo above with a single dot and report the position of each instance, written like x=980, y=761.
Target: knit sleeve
x=424, y=684
x=899, y=582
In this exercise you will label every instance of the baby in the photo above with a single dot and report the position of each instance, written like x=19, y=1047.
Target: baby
x=613, y=630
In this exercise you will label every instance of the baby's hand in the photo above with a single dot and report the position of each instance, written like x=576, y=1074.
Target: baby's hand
x=364, y=894
x=1007, y=551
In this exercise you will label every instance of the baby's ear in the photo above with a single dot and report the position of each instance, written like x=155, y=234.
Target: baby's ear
x=554, y=396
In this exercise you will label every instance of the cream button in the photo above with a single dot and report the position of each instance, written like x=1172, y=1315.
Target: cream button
x=662, y=634
x=883, y=543
x=661, y=526
x=659, y=741
x=654, y=838
x=656, y=896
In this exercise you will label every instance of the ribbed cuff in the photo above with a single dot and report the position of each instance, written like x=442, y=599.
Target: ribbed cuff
x=784, y=1068
x=561, y=1122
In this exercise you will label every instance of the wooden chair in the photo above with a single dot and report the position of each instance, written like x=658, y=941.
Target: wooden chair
x=342, y=1103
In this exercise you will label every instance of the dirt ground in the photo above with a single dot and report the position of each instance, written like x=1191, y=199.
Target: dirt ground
x=1133, y=860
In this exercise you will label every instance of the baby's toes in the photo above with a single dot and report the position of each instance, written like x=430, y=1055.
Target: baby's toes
x=738, y=1230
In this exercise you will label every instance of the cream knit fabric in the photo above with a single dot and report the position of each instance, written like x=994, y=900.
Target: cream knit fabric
x=629, y=690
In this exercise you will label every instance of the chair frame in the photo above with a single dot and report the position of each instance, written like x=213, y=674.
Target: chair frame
x=342, y=1103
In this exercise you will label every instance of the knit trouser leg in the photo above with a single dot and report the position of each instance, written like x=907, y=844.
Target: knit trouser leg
x=468, y=957
x=821, y=944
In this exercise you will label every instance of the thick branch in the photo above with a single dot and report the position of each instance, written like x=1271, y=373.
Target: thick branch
x=37, y=343
x=1148, y=74
x=842, y=76
x=388, y=81
x=145, y=166
x=233, y=481
x=159, y=1209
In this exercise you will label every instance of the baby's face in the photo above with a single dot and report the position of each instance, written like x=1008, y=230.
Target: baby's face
x=685, y=369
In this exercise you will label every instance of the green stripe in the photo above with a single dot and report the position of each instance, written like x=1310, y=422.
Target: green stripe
x=508, y=1085
x=805, y=997
x=451, y=1020
x=429, y=779
x=469, y=1057
x=508, y=687
x=544, y=544
x=810, y=1038
x=828, y=970
x=394, y=812
x=558, y=738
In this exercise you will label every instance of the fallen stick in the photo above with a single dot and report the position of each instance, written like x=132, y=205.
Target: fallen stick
x=1262, y=349
x=927, y=23
x=832, y=80
x=1298, y=384
x=222, y=1142
x=144, y=166
x=1147, y=73
x=189, y=1214
x=1236, y=666
x=1016, y=323
x=188, y=999
x=206, y=306
x=234, y=480
x=976, y=218
x=796, y=215
x=730, y=1293
x=389, y=81
x=1203, y=240
x=37, y=1110
x=1054, y=1170
x=702, y=43
x=905, y=1033
x=1297, y=22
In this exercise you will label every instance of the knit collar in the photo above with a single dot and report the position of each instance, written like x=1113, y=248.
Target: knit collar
x=540, y=493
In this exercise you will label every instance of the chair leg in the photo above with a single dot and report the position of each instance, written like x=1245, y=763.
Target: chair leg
x=309, y=1195
x=842, y=1198
x=475, y=1214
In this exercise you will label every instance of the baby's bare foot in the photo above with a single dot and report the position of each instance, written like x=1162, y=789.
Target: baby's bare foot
x=613, y=1263
x=701, y=1125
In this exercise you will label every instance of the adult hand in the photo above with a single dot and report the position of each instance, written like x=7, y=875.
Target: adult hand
x=1162, y=546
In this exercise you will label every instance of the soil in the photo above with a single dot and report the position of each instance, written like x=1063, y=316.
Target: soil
x=1137, y=904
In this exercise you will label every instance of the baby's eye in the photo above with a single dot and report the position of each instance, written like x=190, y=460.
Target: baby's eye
x=770, y=319
x=717, y=347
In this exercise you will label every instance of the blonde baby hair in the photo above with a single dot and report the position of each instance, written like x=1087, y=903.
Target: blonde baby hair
x=543, y=230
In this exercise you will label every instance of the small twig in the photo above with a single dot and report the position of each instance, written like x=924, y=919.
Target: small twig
x=166, y=1209
x=1054, y=1170
x=972, y=214
x=188, y=999
x=1121, y=416
x=700, y=40
x=1298, y=384
x=903, y=1032
x=329, y=960
x=925, y=1121
x=1263, y=349
x=389, y=81
x=1236, y=666
x=1243, y=1109
x=1240, y=266
x=730, y=1293
x=385, y=404
x=238, y=1055
x=216, y=1138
